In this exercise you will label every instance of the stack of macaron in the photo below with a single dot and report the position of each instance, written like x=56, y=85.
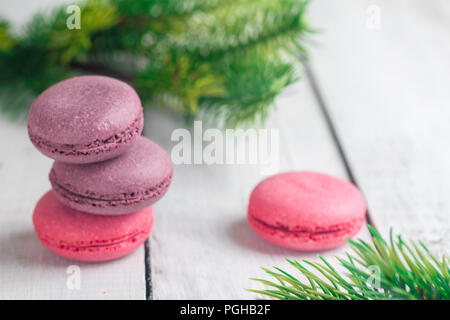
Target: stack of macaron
x=105, y=177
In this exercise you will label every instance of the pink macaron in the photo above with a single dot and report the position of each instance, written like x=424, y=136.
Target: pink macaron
x=125, y=184
x=306, y=210
x=85, y=119
x=86, y=237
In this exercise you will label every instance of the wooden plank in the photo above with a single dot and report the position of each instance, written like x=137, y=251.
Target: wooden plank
x=27, y=269
x=386, y=86
x=201, y=246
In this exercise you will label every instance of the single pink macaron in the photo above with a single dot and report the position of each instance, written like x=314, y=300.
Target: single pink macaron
x=306, y=210
x=87, y=237
x=85, y=119
x=125, y=184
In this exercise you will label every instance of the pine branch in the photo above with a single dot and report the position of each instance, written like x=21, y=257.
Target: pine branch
x=244, y=87
x=237, y=27
x=159, y=8
x=252, y=82
x=179, y=83
x=378, y=271
x=7, y=40
x=195, y=56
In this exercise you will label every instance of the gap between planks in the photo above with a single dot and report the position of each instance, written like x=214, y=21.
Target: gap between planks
x=147, y=257
x=148, y=271
x=329, y=122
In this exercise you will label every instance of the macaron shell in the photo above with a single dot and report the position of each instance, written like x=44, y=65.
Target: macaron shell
x=86, y=237
x=306, y=210
x=121, y=185
x=85, y=119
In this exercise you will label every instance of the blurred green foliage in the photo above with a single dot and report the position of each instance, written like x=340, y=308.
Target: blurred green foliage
x=225, y=59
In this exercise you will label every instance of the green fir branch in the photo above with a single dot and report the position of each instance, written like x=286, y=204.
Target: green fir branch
x=378, y=271
x=48, y=30
x=158, y=8
x=238, y=25
x=227, y=60
x=7, y=40
x=252, y=83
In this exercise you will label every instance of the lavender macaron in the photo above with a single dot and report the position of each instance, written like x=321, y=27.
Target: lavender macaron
x=85, y=119
x=125, y=184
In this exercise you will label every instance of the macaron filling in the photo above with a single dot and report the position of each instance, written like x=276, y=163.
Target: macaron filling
x=95, y=244
x=94, y=147
x=114, y=200
x=333, y=231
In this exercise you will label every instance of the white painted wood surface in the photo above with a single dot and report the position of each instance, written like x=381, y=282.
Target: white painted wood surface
x=388, y=92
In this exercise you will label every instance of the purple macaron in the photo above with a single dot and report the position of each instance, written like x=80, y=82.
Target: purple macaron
x=125, y=184
x=85, y=119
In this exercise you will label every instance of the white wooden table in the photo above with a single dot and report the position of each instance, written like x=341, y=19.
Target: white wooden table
x=374, y=106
